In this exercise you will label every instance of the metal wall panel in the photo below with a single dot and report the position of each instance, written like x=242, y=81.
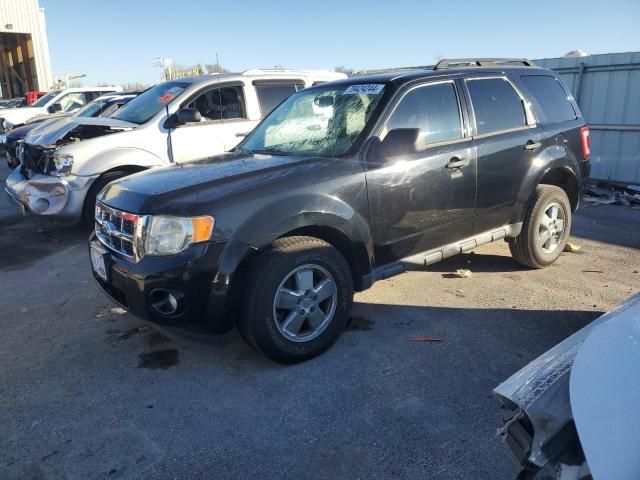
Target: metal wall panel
x=607, y=88
x=26, y=16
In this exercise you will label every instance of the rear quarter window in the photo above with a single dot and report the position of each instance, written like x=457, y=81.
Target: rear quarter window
x=551, y=96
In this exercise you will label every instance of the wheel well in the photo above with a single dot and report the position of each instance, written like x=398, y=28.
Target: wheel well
x=354, y=253
x=566, y=181
x=131, y=169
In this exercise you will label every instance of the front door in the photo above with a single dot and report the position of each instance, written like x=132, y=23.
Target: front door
x=224, y=116
x=426, y=199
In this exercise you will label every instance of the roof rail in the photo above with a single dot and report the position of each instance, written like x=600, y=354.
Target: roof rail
x=391, y=70
x=262, y=71
x=480, y=62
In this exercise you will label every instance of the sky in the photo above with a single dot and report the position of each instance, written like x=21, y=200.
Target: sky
x=116, y=40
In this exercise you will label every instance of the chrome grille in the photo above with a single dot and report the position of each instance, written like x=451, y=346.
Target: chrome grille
x=117, y=230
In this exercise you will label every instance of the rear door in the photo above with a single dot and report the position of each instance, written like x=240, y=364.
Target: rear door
x=424, y=201
x=507, y=139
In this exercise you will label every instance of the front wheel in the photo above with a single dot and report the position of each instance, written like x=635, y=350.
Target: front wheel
x=298, y=299
x=546, y=228
x=89, y=209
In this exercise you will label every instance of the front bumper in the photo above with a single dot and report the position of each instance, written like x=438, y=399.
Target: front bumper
x=200, y=278
x=48, y=195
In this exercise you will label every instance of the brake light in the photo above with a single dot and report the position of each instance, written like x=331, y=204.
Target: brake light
x=586, y=142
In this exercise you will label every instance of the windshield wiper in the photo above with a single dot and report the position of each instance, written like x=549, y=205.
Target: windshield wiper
x=271, y=151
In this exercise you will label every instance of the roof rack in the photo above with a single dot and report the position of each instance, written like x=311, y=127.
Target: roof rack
x=480, y=62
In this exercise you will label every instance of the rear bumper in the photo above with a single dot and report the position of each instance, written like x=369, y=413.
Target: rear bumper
x=47, y=195
x=198, y=278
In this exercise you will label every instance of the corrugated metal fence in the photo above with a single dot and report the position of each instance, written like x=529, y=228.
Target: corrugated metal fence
x=607, y=88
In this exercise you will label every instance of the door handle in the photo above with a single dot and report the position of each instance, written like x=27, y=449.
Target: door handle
x=243, y=134
x=531, y=145
x=457, y=162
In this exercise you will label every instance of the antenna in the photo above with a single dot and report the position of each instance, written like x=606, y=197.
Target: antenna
x=219, y=92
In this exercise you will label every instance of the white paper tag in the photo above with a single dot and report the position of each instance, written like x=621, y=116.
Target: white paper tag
x=365, y=88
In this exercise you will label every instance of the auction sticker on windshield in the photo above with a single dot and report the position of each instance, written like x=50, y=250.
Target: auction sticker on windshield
x=365, y=88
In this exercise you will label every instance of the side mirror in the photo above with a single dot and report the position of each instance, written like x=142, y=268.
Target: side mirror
x=55, y=108
x=188, y=115
x=399, y=141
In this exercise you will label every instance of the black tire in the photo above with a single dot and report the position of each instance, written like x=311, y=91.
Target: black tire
x=88, y=211
x=526, y=248
x=257, y=322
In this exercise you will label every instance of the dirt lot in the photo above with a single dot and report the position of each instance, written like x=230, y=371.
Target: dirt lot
x=88, y=393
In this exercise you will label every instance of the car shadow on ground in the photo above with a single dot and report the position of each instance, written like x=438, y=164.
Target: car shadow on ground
x=484, y=262
x=27, y=240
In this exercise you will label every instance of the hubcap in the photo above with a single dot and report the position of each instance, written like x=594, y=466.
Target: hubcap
x=305, y=303
x=551, y=228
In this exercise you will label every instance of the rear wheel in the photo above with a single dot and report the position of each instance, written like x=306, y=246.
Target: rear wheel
x=88, y=211
x=546, y=228
x=298, y=299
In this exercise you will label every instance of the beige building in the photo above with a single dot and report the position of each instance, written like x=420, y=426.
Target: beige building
x=24, y=51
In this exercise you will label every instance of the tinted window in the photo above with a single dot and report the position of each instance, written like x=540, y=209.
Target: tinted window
x=496, y=105
x=270, y=96
x=433, y=109
x=42, y=101
x=551, y=97
x=220, y=103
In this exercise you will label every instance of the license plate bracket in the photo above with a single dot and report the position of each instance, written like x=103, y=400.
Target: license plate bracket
x=98, y=262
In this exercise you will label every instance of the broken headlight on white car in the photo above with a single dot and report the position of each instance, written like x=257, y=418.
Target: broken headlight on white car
x=61, y=164
x=168, y=235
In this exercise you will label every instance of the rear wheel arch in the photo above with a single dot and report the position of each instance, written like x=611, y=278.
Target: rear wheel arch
x=564, y=179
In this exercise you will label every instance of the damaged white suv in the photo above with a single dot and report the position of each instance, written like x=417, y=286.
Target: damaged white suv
x=66, y=162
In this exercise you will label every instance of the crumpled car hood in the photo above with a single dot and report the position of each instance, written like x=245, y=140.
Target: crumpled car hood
x=541, y=389
x=51, y=131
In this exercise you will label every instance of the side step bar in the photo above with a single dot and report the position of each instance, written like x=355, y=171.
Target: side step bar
x=437, y=254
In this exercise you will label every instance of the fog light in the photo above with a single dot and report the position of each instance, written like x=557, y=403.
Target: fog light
x=165, y=302
x=41, y=205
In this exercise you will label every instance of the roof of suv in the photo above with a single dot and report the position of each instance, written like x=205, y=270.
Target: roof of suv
x=258, y=74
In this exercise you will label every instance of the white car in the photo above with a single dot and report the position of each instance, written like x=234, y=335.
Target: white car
x=55, y=101
x=65, y=163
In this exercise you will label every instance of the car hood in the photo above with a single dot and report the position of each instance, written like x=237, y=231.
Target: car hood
x=21, y=114
x=57, y=130
x=178, y=189
x=545, y=388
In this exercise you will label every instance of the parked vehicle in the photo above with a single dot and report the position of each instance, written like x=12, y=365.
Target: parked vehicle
x=67, y=100
x=66, y=164
x=103, y=106
x=13, y=102
x=33, y=96
x=342, y=185
x=576, y=406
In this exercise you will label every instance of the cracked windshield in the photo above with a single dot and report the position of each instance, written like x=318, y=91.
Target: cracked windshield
x=318, y=121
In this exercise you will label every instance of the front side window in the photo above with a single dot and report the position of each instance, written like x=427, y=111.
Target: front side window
x=73, y=101
x=270, y=96
x=42, y=101
x=323, y=121
x=146, y=105
x=496, y=105
x=433, y=109
x=220, y=104
x=551, y=96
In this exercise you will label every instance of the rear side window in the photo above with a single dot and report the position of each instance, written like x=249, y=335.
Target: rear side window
x=496, y=105
x=551, y=97
x=433, y=109
x=270, y=96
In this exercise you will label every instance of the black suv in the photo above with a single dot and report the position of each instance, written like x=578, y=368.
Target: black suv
x=343, y=184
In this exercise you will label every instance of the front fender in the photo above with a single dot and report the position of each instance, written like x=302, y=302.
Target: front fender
x=285, y=215
x=118, y=157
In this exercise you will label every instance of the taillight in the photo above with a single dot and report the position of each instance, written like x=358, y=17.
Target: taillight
x=586, y=143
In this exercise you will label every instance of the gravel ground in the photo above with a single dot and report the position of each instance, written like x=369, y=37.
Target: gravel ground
x=88, y=393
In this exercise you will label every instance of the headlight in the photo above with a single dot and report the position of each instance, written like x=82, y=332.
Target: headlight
x=62, y=164
x=166, y=235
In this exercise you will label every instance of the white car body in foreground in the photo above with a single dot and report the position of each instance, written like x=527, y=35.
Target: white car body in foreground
x=577, y=406
x=81, y=150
